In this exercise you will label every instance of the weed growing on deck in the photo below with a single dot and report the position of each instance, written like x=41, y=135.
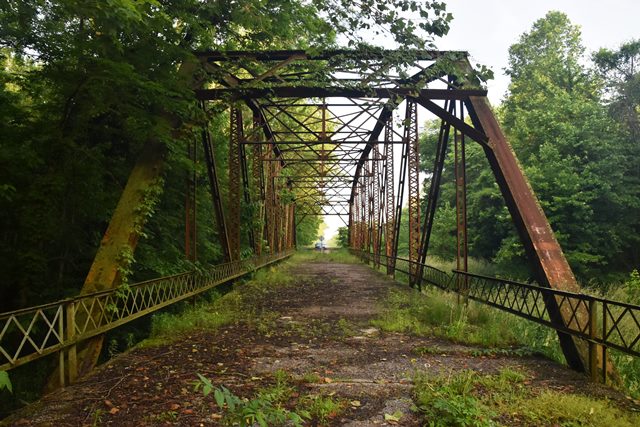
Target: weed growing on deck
x=469, y=398
x=321, y=408
x=311, y=378
x=271, y=406
x=435, y=313
x=267, y=408
x=341, y=256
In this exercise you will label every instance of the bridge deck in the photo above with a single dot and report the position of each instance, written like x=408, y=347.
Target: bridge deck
x=316, y=328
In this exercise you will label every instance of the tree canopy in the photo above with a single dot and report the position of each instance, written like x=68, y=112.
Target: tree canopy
x=85, y=83
x=577, y=146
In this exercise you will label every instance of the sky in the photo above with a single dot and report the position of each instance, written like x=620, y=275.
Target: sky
x=486, y=29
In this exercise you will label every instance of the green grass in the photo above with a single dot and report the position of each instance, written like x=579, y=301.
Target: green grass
x=438, y=313
x=475, y=265
x=311, y=378
x=627, y=366
x=276, y=404
x=435, y=313
x=340, y=255
x=321, y=409
x=469, y=398
x=219, y=310
x=266, y=408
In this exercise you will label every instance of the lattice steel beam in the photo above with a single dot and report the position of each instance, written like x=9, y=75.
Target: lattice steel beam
x=389, y=189
x=413, y=179
x=461, y=203
x=234, y=196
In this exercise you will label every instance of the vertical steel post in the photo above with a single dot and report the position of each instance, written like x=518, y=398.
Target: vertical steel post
x=233, y=204
x=70, y=313
x=351, y=226
x=378, y=205
x=246, y=186
x=434, y=191
x=390, y=200
x=365, y=209
x=214, y=189
x=258, y=186
x=411, y=135
x=357, y=217
x=372, y=204
x=61, y=353
x=461, y=205
x=605, y=310
x=399, y=197
x=270, y=207
x=277, y=209
x=593, y=347
x=295, y=228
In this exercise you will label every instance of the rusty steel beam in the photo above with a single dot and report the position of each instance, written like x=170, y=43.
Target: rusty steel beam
x=283, y=55
x=397, y=216
x=363, y=213
x=413, y=179
x=544, y=253
x=268, y=205
x=460, y=175
x=379, y=207
x=246, y=185
x=373, y=206
x=233, y=204
x=257, y=170
x=332, y=92
x=214, y=189
x=434, y=190
x=454, y=121
x=389, y=194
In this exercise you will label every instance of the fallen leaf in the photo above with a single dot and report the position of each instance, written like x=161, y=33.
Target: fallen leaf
x=114, y=410
x=108, y=403
x=174, y=406
x=355, y=403
x=395, y=417
x=328, y=380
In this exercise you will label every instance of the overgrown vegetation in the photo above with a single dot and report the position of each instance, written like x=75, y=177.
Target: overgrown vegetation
x=274, y=405
x=435, y=313
x=573, y=122
x=219, y=310
x=330, y=255
x=468, y=398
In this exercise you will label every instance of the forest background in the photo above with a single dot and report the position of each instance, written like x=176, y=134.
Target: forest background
x=84, y=84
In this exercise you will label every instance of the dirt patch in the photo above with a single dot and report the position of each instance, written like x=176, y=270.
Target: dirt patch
x=320, y=329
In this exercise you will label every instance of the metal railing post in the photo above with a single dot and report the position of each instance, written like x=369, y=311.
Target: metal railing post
x=593, y=347
x=61, y=332
x=70, y=312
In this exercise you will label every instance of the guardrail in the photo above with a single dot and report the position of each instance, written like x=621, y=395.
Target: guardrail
x=31, y=333
x=607, y=324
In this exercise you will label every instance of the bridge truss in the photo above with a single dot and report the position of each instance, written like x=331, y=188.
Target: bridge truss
x=327, y=133
x=336, y=133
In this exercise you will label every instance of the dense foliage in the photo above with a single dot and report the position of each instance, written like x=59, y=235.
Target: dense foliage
x=574, y=129
x=83, y=84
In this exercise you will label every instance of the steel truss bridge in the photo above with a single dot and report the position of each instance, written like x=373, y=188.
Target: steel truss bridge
x=331, y=133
